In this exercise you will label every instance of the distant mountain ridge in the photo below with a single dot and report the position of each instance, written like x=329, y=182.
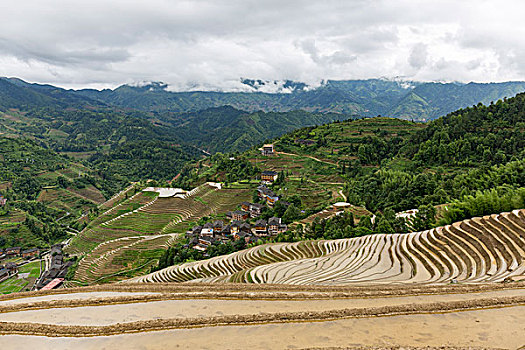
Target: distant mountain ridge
x=394, y=98
x=402, y=99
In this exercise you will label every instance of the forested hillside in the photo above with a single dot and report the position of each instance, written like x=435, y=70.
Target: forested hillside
x=226, y=129
x=45, y=193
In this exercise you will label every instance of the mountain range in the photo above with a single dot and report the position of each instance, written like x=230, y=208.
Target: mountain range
x=419, y=101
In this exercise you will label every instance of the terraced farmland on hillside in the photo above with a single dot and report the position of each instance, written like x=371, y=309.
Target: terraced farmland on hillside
x=131, y=235
x=134, y=254
x=487, y=249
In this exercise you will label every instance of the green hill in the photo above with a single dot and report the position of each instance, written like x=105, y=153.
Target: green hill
x=45, y=193
x=226, y=129
x=390, y=164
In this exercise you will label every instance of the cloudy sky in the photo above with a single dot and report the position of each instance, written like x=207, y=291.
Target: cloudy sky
x=210, y=44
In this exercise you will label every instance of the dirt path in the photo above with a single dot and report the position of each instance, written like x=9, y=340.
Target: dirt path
x=311, y=157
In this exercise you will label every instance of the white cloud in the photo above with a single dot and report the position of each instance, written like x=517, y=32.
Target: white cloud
x=211, y=44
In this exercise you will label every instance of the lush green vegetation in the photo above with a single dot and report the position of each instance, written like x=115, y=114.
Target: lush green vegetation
x=390, y=165
x=226, y=129
x=15, y=284
x=180, y=253
x=469, y=150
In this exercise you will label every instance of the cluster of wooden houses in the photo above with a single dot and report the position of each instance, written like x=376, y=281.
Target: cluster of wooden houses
x=57, y=269
x=267, y=195
x=17, y=251
x=201, y=237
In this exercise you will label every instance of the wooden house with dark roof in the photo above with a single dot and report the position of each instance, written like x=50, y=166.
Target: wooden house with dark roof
x=245, y=206
x=12, y=268
x=12, y=251
x=261, y=227
x=30, y=253
x=269, y=176
x=256, y=209
x=240, y=215
x=267, y=150
x=217, y=226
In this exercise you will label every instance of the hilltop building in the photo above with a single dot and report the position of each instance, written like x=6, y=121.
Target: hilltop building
x=267, y=150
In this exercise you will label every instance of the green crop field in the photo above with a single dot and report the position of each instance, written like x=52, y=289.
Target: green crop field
x=15, y=284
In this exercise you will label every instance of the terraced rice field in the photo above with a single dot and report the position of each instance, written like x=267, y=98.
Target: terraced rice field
x=130, y=236
x=234, y=316
x=487, y=249
x=109, y=258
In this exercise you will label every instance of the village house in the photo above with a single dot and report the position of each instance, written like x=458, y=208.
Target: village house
x=12, y=251
x=240, y=215
x=234, y=226
x=200, y=247
x=245, y=227
x=58, y=267
x=30, y=253
x=226, y=231
x=256, y=209
x=246, y=236
x=207, y=230
x=271, y=200
x=261, y=228
x=275, y=226
x=207, y=241
x=12, y=268
x=267, y=150
x=217, y=226
x=3, y=201
x=269, y=176
x=268, y=195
